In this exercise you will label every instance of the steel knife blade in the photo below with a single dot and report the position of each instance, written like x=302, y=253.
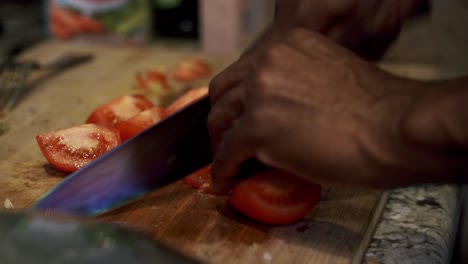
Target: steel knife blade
x=158, y=156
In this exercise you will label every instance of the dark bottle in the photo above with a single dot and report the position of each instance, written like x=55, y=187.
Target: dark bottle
x=175, y=18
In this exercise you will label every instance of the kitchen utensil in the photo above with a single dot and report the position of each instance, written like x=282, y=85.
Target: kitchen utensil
x=158, y=156
x=14, y=75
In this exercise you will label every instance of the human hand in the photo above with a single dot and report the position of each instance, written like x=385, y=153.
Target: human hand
x=367, y=27
x=312, y=108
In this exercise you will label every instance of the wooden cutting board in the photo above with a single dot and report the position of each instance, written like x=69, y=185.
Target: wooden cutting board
x=204, y=226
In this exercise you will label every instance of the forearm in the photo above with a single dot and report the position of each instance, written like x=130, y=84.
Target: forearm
x=364, y=26
x=438, y=124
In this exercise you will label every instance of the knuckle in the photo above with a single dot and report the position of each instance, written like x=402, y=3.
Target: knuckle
x=300, y=34
x=275, y=54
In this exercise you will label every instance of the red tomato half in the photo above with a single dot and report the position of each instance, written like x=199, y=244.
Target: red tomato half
x=186, y=99
x=275, y=197
x=200, y=179
x=71, y=148
x=191, y=69
x=119, y=109
x=139, y=122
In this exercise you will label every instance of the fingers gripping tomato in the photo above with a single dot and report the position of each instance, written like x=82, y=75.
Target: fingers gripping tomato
x=71, y=148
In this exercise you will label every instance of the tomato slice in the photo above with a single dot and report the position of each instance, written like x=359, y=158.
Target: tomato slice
x=152, y=80
x=187, y=98
x=200, y=179
x=71, y=148
x=275, y=197
x=191, y=69
x=139, y=122
x=119, y=109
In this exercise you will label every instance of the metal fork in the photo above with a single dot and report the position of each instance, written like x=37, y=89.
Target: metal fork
x=14, y=75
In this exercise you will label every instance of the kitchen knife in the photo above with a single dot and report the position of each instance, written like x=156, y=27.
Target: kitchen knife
x=158, y=156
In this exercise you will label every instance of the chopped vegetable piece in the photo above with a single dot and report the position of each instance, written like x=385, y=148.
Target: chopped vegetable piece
x=71, y=148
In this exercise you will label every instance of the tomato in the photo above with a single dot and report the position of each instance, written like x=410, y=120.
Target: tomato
x=91, y=25
x=71, y=148
x=186, y=99
x=151, y=80
x=119, y=109
x=65, y=20
x=200, y=179
x=139, y=122
x=191, y=69
x=275, y=197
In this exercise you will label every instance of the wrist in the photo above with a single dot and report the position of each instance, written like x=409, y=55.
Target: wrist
x=435, y=129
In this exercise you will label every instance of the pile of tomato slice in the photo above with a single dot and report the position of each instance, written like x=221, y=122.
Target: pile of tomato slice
x=107, y=126
x=271, y=197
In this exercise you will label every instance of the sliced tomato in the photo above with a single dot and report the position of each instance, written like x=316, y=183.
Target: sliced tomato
x=119, y=109
x=191, y=69
x=186, y=99
x=275, y=197
x=139, y=122
x=200, y=179
x=71, y=148
x=152, y=80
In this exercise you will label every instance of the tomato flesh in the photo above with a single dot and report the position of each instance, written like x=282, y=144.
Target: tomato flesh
x=72, y=148
x=275, y=197
x=200, y=179
x=187, y=98
x=152, y=80
x=191, y=69
x=139, y=122
x=119, y=109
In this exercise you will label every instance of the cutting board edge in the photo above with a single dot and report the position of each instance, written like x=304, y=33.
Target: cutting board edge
x=358, y=257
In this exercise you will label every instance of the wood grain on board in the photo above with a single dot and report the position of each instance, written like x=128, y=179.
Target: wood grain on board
x=204, y=226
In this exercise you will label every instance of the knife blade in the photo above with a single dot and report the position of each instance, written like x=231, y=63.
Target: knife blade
x=158, y=156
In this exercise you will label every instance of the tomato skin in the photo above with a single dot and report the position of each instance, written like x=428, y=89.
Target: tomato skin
x=200, y=179
x=191, y=69
x=119, y=109
x=186, y=99
x=140, y=122
x=274, y=197
x=71, y=148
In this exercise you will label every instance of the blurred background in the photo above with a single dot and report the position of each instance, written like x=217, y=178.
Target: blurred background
x=228, y=26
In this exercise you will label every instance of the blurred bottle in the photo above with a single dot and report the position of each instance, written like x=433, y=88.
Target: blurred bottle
x=175, y=18
x=228, y=26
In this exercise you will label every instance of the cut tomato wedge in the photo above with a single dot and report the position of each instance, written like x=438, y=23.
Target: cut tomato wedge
x=191, y=69
x=139, y=122
x=71, y=148
x=200, y=179
x=119, y=109
x=187, y=98
x=275, y=197
x=152, y=80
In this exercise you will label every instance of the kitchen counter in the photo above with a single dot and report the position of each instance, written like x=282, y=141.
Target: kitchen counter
x=417, y=225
